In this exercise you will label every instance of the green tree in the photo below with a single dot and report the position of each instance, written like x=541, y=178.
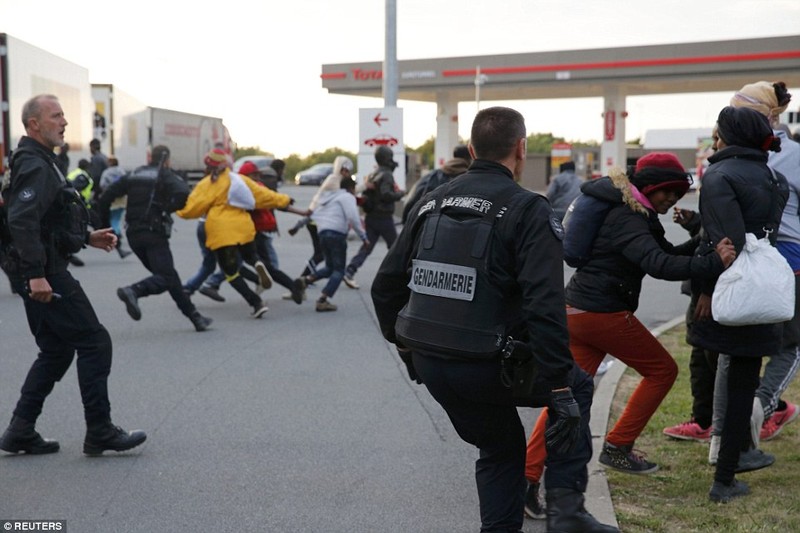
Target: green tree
x=243, y=151
x=425, y=151
x=295, y=163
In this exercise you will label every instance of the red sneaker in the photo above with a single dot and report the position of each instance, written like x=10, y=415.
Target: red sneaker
x=774, y=424
x=690, y=430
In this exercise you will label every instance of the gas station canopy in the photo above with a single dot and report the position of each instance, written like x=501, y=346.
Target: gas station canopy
x=610, y=73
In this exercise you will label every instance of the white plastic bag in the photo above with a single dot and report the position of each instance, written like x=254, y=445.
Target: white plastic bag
x=758, y=288
x=239, y=194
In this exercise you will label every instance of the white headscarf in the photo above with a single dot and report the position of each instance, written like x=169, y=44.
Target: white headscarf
x=333, y=181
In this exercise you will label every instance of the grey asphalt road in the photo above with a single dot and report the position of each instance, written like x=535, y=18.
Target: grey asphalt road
x=297, y=422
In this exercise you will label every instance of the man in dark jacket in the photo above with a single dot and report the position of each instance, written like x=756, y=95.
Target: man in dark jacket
x=451, y=169
x=381, y=195
x=47, y=221
x=153, y=191
x=450, y=309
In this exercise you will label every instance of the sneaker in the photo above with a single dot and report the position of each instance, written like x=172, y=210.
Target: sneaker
x=350, y=282
x=533, y=504
x=721, y=493
x=690, y=430
x=110, y=437
x=754, y=459
x=290, y=296
x=774, y=424
x=263, y=275
x=325, y=305
x=211, y=292
x=298, y=291
x=74, y=260
x=259, y=310
x=200, y=322
x=626, y=459
x=127, y=295
x=713, y=449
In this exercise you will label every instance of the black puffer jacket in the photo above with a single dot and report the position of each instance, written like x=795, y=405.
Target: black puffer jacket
x=739, y=195
x=629, y=244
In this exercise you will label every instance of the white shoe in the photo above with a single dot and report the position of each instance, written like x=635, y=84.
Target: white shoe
x=263, y=275
x=756, y=421
x=350, y=282
x=713, y=449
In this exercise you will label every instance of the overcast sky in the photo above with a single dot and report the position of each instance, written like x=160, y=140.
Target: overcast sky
x=257, y=64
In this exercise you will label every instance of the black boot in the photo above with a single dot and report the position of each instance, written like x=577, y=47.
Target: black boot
x=131, y=300
x=106, y=436
x=566, y=514
x=200, y=322
x=22, y=437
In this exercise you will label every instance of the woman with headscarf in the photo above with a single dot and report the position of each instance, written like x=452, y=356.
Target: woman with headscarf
x=739, y=195
x=603, y=295
x=770, y=412
x=226, y=199
x=341, y=165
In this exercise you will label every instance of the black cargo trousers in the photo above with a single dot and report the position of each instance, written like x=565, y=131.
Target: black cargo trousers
x=66, y=326
x=484, y=414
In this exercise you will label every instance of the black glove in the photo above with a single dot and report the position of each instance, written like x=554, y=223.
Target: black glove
x=564, y=422
x=405, y=355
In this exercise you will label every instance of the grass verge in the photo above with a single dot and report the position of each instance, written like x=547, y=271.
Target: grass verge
x=675, y=499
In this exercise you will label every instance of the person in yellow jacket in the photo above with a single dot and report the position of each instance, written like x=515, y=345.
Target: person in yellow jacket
x=226, y=199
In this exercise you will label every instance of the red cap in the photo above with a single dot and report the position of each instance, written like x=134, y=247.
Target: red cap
x=248, y=168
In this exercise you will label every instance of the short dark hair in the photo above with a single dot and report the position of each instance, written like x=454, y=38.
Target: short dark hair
x=278, y=165
x=461, y=151
x=94, y=143
x=83, y=164
x=159, y=152
x=569, y=165
x=495, y=132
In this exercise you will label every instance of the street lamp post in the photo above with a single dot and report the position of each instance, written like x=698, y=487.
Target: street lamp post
x=480, y=79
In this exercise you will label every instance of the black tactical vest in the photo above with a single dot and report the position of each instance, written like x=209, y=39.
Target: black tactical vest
x=454, y=307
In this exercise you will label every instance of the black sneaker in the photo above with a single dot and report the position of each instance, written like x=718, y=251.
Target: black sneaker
x=259, y=310
x=533, y=504
x=200, y=322
x=127, y=295
x=722, y=493
x=110, y=437
x=212, y=293
x=626, y=459
x=754, y=459
x=298, y=291
x=22, y=437
x=74, y=260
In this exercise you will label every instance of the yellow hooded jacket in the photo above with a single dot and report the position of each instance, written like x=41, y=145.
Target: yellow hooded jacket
x=227, y=225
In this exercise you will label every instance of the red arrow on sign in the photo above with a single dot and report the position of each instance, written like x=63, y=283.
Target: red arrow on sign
x=378, y=119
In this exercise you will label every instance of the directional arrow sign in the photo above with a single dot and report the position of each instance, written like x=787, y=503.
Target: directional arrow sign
x=378, y=119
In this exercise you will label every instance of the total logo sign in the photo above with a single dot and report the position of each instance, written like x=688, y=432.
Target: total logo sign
x=381, y=127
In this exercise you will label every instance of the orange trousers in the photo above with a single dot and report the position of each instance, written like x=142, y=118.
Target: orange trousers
x=592, y=336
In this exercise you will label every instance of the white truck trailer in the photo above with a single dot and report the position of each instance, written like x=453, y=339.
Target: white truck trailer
x=129, y=129
x=26, y=71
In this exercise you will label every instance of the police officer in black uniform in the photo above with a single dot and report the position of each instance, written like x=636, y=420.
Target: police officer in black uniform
x=472, y=295
x=47, y=221
x=154, y=192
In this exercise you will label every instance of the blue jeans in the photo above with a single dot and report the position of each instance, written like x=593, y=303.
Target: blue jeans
x=209, y=261
x=334, y=247
x=377, y=227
